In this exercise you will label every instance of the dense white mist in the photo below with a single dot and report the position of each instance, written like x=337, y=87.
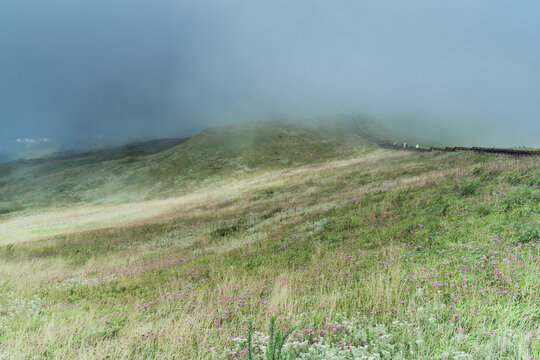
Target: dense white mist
x=155, y=68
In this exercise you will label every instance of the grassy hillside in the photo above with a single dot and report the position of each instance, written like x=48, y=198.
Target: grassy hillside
x=21, y=170
x=131, y=172
x=370, y=253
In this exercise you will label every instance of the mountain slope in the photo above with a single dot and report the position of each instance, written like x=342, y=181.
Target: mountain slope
x=134, y=172
x=371, y=253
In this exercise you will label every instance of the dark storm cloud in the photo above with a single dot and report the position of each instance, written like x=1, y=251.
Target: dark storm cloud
x=132, y=67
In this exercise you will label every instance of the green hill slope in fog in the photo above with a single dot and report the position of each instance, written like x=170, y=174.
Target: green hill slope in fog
x=156, y=168
x=169, y=250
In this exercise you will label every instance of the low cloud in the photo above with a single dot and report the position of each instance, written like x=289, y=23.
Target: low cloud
x=141, y=68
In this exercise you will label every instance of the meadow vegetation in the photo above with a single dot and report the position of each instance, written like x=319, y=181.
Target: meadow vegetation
x=191, y=252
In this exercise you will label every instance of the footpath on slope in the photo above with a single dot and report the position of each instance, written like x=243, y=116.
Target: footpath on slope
x=356, y=129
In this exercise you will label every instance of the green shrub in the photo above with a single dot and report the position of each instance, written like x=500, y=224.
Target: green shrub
x=483, y=209
x=470, y=188
x=490, y=175
x=6, y=210
x=271, y=213
x=478, y=170
x=9, y=249
x=439, y=206
x=229, y=229
x=522, y=196
x=530, y=233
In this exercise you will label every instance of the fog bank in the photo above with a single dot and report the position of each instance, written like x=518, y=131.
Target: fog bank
x=72, y=68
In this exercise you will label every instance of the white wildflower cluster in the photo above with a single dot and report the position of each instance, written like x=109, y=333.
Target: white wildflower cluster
x=328, y=352
x=77, y=281
x=313, y=228
x=376, y=343
x=82, y=281
x=13, y=307
x=457, y=355
x=258, y=345
x=6, y=356
x=357, y=337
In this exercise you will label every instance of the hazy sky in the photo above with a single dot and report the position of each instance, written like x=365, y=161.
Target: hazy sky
x=171, y=67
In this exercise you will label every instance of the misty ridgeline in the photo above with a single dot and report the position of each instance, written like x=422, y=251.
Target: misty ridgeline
x=269, y=180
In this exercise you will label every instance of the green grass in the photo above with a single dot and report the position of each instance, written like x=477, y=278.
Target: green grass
x=362, y=252
x=131, y=172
